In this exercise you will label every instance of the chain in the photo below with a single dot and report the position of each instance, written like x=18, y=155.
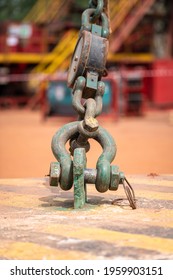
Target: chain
x=88, y=89
x=88, y=66
x=89, y=86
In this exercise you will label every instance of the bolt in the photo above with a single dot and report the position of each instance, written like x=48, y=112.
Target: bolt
x=76, y=58
x=116, y=176
x=54, y=174
x=77, y=143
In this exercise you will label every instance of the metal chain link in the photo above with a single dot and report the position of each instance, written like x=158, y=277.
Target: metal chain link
x=84, y=77
x=98, y=6
x=87, y=101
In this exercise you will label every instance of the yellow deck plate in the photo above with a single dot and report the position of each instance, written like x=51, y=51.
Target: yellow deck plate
x=39, y=222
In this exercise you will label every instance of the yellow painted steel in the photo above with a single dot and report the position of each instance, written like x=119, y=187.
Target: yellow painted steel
x=119, y=10
x=44, y=59
x=131, y=57
x=153, y=181
x=122, y=25
x=124, y=239
x=39, y=222
x=29, y=250
x=17, y=200
x=64, y=54
x=21, y=57
x=63, y=49
x=58, y=59
x=46, y=11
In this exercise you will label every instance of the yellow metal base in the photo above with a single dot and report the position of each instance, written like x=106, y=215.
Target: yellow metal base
x=39, y=222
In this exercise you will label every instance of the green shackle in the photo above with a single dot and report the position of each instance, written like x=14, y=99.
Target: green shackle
x=103, y=167
x=59, y=140
x=103, y=163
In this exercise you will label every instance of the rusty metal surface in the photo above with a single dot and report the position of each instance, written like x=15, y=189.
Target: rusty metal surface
x=88, y=65
x=39, y=222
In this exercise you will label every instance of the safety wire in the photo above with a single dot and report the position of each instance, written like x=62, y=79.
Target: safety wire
x=129, y=193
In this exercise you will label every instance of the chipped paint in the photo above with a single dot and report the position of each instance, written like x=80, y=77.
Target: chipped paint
x=39, y=223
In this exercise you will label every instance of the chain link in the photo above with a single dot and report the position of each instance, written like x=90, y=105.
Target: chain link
x=87, y=99
x=102, y=20
x=98, y=6
x=84, y=77
x=88, y=103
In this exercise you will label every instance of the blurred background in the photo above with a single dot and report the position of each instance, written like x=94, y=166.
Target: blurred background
x=37, y=40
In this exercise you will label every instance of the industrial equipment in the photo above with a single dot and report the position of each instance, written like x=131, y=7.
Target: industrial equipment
x=84, y=77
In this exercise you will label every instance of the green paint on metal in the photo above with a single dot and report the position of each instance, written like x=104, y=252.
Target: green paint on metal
x=115, y=178
x=92, y=80
x=79, y=165
x=86, y=207
x=84, y=76
x=98, y=8
x=59, y=150
x=103, y=164
x=96, y=29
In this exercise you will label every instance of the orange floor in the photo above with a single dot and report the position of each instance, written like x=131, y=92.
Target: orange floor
x=145, y=144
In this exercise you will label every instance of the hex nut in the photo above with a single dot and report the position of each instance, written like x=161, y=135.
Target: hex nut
x=115, y=178
x=54, y=174
x=91, y=124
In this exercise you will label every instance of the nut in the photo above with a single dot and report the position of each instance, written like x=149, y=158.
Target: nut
x=91, y=124
x=54, y=174
x=115, y=178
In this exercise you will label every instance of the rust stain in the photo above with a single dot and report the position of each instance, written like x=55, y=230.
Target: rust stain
x=152, y=174
x=19, y=200
x=35, y=214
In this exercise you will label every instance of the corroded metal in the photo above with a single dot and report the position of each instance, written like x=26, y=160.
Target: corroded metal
x=36, y=224
x=87, y=24
x=104, y=176
x=79, y=165
x=98, y=8
x=90, y=55
x=84, y=77
x=59, y=150
x=59, y=141
x=78, y=95
x=115, y=178
x=54, y=172
x=129, y=193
